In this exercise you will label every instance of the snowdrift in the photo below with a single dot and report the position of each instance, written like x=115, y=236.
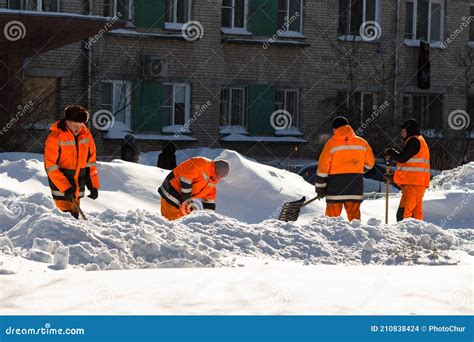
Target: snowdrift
x=127, y=231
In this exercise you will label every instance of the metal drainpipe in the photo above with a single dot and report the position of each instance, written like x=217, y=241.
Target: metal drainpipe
x=89, y=66
x=396, y=69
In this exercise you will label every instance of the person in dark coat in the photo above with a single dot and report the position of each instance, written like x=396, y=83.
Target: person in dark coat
x=167, y=157
x=129, y=149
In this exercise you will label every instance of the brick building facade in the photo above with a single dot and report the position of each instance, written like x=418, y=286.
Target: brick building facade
x=218, y=83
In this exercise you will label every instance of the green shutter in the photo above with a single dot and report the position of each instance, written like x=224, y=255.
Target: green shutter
x=264, y=17
x=147, y=108
x=150, y=13
x=261, y=106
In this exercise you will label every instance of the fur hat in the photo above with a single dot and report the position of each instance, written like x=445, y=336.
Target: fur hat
x=76, y=113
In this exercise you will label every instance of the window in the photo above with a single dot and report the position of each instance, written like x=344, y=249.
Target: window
x=353, y=13
x=34, y=5
x=233, y=102
x=289, y=100
x=359, y=106
x=290, y=15
x=234, y=14
x=176, y=103
x=117, y=8
x=426, y=108
x=178, y=12
x=116, y=98
x=424, y=20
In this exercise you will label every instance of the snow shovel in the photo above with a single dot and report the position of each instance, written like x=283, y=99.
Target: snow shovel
x=78, y=208
x=387, y=182
x=291, y=210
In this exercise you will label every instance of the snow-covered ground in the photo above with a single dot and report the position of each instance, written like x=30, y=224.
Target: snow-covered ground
x=240, y=259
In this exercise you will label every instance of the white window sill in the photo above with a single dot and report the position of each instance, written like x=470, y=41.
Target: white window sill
x=432, y=133
x=291, y=34
x=470, y=45
x=416, y=43
x=352, y=38
x=238, y=31
x=292, y=131
x=174, y=26
x=176, y=129
x=233, y=130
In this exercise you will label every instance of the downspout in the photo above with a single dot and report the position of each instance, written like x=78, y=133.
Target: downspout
x=89, y=65
x=396, y=68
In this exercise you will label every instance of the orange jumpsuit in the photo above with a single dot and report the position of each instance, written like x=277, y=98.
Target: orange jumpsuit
x=70, y=161
x=194, y=178
x=341, y=167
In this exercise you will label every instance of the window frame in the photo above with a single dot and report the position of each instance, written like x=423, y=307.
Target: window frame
x=290, y=33
x=416, y=41
x=411, y=97
x=39, y=6
x=243, y=114
x=237, y=30
x=471, y=42
x=174, y=25
x=187, y=105
x=347, y=36
x=114, y=9
x=361, y=94
x=128, y=96
x=295, y=124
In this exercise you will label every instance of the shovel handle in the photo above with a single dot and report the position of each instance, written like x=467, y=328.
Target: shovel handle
x=78, y=208
x=310, y=201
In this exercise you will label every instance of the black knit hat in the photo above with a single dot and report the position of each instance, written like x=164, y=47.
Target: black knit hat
x=339, y=121
x=412, y=127
x=76, y=113
x=410, y=122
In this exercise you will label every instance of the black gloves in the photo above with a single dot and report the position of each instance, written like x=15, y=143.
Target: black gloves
x=70, y=193
x=94, y=193
x=321, y=192
x=389, y=153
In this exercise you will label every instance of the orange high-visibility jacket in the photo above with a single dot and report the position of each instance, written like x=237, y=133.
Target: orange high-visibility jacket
x=416, y=171
x=341, y=166
x=193, y=178
x=70, y=160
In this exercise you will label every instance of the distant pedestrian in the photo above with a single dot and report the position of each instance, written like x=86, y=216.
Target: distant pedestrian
x=167, y=157
x=129, y=149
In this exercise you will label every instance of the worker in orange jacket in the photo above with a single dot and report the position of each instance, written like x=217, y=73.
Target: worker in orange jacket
x=412, y=172
x=70, y=160
x=342, y=163
x=195, y=178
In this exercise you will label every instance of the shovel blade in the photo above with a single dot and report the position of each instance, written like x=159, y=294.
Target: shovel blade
x=291, y=210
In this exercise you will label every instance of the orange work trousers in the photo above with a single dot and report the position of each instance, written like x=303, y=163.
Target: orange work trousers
x=170, y=212
x=352, y=210
x=68, y=207
x=411, y=203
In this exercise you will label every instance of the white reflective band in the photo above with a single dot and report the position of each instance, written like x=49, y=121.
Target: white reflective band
x=209, y=201
x=84, y=141
x=52, y=168
x=167, y=194
x=90, y=164
x=57, y=193
x=321, y=185
x=320, y=174
x=418, y=160
x=345, y=197
x=184, y=180
x=67, y=143
x=81, y=193
x=412, y=169
x=205, y=176
x=186, y=191
x=368, y=167
x=348, y=147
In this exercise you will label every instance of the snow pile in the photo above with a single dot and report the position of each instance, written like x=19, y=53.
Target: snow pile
x=461, y=177
x=143, y=239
